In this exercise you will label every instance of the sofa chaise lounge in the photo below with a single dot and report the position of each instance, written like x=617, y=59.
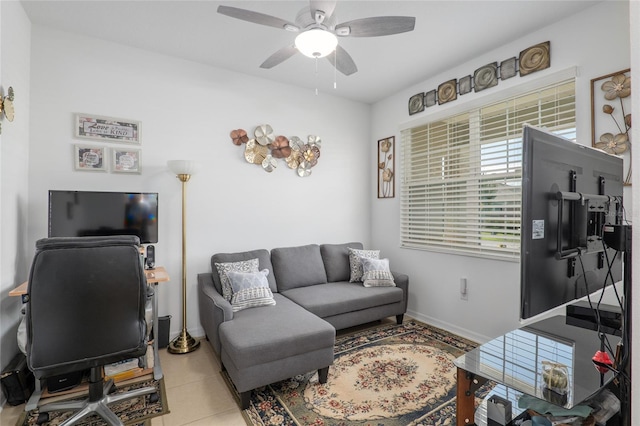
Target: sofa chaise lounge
x=313, y=298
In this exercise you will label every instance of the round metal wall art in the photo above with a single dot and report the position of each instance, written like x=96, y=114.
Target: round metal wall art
x=447, y=92
x=265, y=149
x=264, y=134
x=486, y=76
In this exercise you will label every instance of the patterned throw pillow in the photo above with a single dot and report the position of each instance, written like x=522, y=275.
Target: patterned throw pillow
x=376, y=273
x=250, y=265
x=250, y=289
x=356, y=264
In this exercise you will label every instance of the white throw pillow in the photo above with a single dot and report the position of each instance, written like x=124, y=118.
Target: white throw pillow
x=376, y=273
x=250, y=289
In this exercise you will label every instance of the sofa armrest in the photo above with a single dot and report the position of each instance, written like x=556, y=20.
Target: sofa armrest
x=214, y=309
x=402, y=281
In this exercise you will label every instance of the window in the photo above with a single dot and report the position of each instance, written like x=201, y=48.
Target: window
x=461, y=181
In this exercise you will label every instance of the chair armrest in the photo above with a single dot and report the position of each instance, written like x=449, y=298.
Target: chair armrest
x=214, y=309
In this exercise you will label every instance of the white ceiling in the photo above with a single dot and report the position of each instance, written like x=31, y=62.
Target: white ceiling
x=446, y=34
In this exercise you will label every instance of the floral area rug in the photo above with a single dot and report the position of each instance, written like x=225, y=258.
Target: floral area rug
x=392, y=375
x=132, y=412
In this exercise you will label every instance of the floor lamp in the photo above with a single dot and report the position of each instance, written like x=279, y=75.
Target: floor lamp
x=184, y=343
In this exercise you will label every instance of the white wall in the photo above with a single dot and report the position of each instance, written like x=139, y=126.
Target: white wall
x=187, y=111
x=597, y=43
x=14, y=145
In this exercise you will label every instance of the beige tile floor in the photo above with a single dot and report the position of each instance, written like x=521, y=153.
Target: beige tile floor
x=196, y=393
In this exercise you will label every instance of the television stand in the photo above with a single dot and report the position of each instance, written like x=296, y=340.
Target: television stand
x=515, y=360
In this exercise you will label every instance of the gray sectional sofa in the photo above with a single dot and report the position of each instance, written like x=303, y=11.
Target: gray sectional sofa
x=313, y=297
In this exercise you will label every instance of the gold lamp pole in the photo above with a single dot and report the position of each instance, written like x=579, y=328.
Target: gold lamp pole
x=184, y=343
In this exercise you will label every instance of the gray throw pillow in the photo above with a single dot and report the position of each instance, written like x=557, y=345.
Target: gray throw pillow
x=223, y=269
x=376, y=273
x=355, y=262
x=250, y=289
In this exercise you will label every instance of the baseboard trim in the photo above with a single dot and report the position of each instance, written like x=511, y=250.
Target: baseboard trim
x=463, y=332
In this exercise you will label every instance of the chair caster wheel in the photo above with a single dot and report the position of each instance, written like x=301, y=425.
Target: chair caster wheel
x=154, y=397
x=42, y=418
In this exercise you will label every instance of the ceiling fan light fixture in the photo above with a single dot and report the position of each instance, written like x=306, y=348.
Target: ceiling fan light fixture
x=316, y=43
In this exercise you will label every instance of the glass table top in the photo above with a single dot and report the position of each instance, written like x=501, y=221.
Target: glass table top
x=549, y=359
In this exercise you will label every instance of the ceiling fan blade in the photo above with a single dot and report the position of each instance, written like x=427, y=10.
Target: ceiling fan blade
x=344, y=62
x=376, y=26
x=279, y=57
x=322, y=9
x=257, y=18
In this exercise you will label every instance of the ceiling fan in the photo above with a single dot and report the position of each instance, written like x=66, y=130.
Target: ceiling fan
x=318, y=32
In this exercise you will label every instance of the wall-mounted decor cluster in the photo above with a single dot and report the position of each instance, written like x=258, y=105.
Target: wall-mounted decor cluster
x=97, y=158
x=610, y=127
x=265, y=149
x=6, y=106
x=532, y=59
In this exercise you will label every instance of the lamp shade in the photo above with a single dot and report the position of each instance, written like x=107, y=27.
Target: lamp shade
x=316, y=43
x=183, y=167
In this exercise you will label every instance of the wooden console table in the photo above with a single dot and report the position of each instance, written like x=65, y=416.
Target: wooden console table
x=516, y=361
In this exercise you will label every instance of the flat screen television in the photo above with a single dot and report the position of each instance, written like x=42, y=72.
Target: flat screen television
x=569, y=192
x=92, y=213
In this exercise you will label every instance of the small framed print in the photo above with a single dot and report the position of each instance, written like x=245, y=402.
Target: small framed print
x=107, y=129
x=89, y=158
x=125, y=160
x=386, y=167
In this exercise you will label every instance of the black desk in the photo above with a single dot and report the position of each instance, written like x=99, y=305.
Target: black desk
x=515, y=361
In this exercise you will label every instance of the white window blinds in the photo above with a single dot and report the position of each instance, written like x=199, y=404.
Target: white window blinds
x=461, y=181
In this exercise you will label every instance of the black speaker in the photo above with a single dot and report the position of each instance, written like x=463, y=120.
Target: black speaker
x=150, y=261
x=17, y=381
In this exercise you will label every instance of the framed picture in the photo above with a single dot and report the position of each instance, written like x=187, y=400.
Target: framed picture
x=611, y=116
x=89, y=158
x=125, y=160
x=386, y=167
x=107, y=129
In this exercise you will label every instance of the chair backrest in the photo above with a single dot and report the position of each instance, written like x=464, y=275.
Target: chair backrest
x=86, y=304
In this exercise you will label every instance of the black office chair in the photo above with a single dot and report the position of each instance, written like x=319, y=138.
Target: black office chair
x=86, y=309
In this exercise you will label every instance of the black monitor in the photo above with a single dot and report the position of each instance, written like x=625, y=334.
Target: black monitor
x=569, y=193
x=91, y=213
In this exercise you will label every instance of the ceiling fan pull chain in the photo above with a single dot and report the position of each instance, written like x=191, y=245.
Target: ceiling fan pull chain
x=335, y=69
x=316, y=76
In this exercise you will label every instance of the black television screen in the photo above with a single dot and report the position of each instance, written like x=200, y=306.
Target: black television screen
x=88, y=213
x=569, y=192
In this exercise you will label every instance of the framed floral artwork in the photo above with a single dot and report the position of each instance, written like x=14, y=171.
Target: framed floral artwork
x=125, y=160
x=89, y=158
x=611, y=116
x=386, y=167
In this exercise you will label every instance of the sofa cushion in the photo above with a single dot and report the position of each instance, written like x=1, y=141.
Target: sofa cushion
x=264, y=334
x=298, y=266
x=355, y=262
x=337, y=298
x=336, y=260
x=250, y=289
x=225, y=268
x=264, y=262
x=376, y=273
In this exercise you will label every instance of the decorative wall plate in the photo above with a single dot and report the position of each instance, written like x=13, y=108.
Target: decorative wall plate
x=464, y=85
x=535, y=58
x=416, y=103
x=508, y=68
x=447, y=92
x=430, y=98
x=485, y=77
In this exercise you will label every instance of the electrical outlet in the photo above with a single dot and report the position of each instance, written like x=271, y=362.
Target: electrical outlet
x=463, y=289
